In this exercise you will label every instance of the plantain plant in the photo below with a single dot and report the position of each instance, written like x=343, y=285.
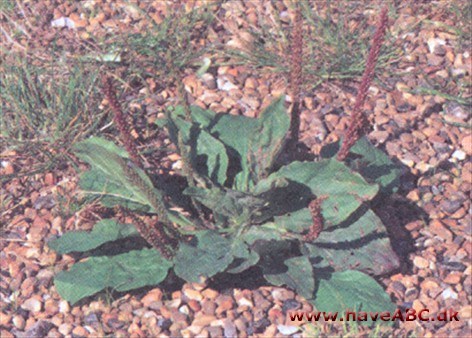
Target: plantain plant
x=306, y=224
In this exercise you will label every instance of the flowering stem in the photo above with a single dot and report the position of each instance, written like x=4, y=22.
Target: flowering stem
x=120, y=120
x=317, y=218
x=359, y=122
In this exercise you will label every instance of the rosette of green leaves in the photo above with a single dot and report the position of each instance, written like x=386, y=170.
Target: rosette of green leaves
x=260, y=207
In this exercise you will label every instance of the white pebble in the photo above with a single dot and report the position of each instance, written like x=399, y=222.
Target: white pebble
x=287, y=329
x=19, y=322
x=245, y=302
x=460, y=155
x=225, y=85
x=184, y=309
x=434, y=42
x=177, y=165
x=448, y=293
x=64, y=306
x=63, y=22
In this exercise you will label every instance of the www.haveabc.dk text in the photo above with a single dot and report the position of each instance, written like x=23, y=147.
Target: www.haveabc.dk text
x=407, y=315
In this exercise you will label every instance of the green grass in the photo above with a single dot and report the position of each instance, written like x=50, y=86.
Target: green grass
x=336, y=43
x=7, y=5
x=46, y=108
x=165, y=50
x=51, y=102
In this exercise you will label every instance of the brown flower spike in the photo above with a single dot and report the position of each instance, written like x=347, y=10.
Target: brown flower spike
x=359, y=122
x=153, y=234
x=317, y=218
x=120, y=120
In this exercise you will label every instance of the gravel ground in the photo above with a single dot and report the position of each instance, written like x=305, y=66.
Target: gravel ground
x=429, y=217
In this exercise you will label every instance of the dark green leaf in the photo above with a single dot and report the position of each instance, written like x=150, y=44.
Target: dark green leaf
x=372, y=163
x=268, y=139
x=106, y=230
x=244, y=257
x=231, y=203
x=361, y=244
x=352, y=290
x=207, y=154
x=345, y=191
x=111, y=193
x=375, y=165
x=122, y=272
x=299, y=276
x=263, y=232
x=235, y=132
x=110, y=170
x=211, y=255
x=202, y=116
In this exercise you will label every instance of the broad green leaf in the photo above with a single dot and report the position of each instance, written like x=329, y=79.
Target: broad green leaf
x=345, y=191
x=202, y=116
x=298, y=221
x=352, y=290
x=211, y=255
x=110, y=146
x=127, y=182
x=207, y=154
x=244, y=257
x=238, y=206
x=263, y=232
x=235, y=132
x=107, y=230
x=372, y=163
x=299, y=276
x=268, y=187
x=375, y=165
x=122, y=272
x=361, y=244
x=268, y=139
x=111, y=193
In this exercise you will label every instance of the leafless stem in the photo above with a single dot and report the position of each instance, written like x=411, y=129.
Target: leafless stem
x=296, y=76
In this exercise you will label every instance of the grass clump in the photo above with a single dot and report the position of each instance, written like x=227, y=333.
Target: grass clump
x=46, y=108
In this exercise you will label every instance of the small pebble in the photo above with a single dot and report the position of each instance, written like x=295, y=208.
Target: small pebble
x=459, y=155
x=152, y=296
x=449, y=294
x=193, y=294
x=287, y=329
x=32, y=304
x=80, y=331
x=19, y=322
x=420, y=262
x=64, y=306
x=229, y=329
x=65, y=328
